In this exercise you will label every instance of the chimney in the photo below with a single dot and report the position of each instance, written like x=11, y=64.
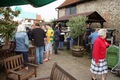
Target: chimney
x=38, y=17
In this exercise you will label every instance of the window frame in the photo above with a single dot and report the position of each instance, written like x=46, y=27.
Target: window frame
x=70, y=10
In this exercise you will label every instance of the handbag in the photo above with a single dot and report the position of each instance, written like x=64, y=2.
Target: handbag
x=12, y=46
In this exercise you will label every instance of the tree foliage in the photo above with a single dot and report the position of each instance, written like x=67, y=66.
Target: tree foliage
x=77, y=26
x=7, y=25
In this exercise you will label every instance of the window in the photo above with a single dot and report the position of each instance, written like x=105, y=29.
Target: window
x=70, y=10
x=73, y=10
x=67, y=11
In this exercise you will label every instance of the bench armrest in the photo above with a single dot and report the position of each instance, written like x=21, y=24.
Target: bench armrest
x=46, y=78
x=33, y=65
x=14, y=72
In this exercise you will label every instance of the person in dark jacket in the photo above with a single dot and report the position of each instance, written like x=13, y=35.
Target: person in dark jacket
x=92, y=37
x=28, y=30
x=38, y=36
x=87, y=33
x=56, y=39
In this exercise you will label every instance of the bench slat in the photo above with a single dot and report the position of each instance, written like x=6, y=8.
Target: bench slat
x=57, y=73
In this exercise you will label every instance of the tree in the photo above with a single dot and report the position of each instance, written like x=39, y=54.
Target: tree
x=77, y=26
x=7, y=25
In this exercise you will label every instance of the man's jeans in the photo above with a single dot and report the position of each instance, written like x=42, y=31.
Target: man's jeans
x=39, y=54
x=56, y=45
x=61, y=44
x=68, y=45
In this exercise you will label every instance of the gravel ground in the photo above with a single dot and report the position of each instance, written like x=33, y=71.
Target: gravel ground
x=76, y=66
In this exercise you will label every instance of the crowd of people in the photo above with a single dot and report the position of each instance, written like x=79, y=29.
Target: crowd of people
x=44, y=37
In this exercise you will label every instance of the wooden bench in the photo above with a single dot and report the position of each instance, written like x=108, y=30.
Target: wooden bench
x=32, y=54
x=15, y=70
x=57, y=73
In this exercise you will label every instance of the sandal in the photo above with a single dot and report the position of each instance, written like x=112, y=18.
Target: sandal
x=45, y=60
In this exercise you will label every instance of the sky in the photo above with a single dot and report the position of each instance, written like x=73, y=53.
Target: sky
x=47, y=12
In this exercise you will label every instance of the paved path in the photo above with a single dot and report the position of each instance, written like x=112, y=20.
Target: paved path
x=76, y=66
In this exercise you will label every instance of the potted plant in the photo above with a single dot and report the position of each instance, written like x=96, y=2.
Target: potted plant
x=77, y=30
x=7, y=25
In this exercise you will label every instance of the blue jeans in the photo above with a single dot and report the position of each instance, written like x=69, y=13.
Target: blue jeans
x=25, y=56
x=61, y=43
x=39, y=54
x=68, y=45
x=56, y=45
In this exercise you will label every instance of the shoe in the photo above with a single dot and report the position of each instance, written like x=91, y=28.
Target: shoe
x=45, y=60
x=41, y=63
x=56, y=53
x=26, y=68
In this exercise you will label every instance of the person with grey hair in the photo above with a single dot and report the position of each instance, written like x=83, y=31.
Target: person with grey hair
x=22, y=43
x=98, y=62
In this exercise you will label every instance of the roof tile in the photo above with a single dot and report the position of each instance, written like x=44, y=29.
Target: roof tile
x=68, y=2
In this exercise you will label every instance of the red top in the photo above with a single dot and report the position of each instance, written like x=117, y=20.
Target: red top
x=99, y=49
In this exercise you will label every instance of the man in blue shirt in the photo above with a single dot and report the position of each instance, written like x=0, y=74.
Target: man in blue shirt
x=93, y=36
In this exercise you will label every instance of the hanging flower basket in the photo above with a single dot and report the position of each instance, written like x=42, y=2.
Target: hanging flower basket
x=78, y=51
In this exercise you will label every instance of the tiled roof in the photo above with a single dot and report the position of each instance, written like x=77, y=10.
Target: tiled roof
x=74, y=15
x=91, y=16
x=69, y=2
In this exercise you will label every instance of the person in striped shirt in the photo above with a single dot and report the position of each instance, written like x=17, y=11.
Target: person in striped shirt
x=48, y=43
